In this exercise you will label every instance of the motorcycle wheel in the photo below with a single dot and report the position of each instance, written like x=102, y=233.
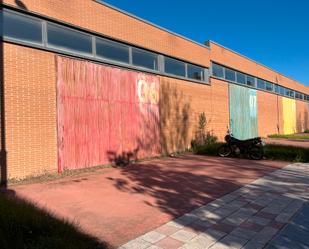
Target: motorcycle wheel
x=224, y=150
x=256, y=152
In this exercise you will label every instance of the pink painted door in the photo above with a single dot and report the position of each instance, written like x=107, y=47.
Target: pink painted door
x=105, y=114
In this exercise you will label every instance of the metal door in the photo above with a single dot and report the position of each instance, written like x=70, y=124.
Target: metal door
x=105, y=113
x=243, y=112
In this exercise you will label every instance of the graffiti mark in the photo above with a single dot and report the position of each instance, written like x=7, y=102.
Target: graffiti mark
x=147, y=92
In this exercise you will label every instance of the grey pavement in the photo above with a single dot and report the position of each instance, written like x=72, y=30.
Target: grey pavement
x=271, y=212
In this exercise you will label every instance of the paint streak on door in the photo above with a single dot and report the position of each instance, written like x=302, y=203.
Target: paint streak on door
x=289, y=115
x=105, y=114
x=243, y=112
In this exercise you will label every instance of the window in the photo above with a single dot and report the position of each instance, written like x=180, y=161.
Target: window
x=282, y=90
x=277, y=89
x=241, y=78
x=261, y=84
x=112, y=50
x=20, y=27
x=195, y=72
x=144, y=59
x=269, y=86
x=175, y=67
x=217, y=70
x=68, y=39
x=230, y=74
x=250, y=80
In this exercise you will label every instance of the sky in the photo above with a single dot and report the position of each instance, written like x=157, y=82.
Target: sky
x=272, y=32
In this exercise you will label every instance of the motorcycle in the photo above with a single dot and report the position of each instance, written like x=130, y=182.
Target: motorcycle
x=253, y=147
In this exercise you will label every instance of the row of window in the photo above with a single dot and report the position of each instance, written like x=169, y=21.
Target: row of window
x=241, y=78
x=22, y=28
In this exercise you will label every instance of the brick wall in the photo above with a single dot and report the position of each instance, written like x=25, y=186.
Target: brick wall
x=30, y=111
x=302, y=116
x=109, y=22
x=268, y=113
x=231, y=59
x=181, y=103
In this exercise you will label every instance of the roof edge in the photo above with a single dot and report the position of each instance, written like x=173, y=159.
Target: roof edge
x=208, y=42
x=150, y=23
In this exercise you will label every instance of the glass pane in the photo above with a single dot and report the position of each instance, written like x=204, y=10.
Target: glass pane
x=250, y=80
x=292, y=93
x=175, y=67
x=241, y=78
x=195, y=72
x=277, y=89
x=21, y=28
x=217, y=70
x=112, y=50
x=145, y=59
x=282, y=90
x=67, y=39
x=269, y=86
x=260, y=84
x=230, y=74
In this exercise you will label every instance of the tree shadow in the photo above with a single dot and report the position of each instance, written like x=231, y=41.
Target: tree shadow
x=24, y=225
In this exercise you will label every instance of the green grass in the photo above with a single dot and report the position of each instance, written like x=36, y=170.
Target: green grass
x=304, y=136
x=271, y=151
x=24, y=226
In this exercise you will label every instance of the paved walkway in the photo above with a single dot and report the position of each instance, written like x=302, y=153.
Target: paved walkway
x=257, y=215
x=119, y=204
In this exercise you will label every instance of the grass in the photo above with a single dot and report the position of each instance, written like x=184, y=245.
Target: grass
x=24, y=226
x=271, y=151
x=302, y=136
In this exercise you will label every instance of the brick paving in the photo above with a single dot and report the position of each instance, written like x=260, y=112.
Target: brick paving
x=271, y=212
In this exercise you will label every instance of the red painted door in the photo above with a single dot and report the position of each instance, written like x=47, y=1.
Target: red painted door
x=105, y=113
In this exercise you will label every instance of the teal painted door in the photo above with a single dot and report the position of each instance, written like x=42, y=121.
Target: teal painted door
x=243, y=112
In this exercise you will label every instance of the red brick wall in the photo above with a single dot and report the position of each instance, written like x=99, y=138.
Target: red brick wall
x=109, y=22
x=268, y=113
x=231, y=59
x=181, y=103
x=30, y=111
x=302, y=116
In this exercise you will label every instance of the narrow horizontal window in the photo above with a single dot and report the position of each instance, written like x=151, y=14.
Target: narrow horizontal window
x=217, y=70
x=269, y=86
x=144, y=59
x=195, y=72
x=20, y=27
x=68, y=39
x=282, y=90
x=112, y=50
x=277, y=89
x=240, y=78
x=175, y=67
x=261, y=84
x=250, y=80
x=230, y=74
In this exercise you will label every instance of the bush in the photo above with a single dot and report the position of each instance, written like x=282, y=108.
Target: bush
x=207, y=149
x=203, y=138
x=306, y=131
x=286, y=153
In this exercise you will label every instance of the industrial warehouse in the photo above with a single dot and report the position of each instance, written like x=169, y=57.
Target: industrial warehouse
x=83, y=83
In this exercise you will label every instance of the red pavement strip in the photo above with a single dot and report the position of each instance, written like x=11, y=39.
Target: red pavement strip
x=120, y=204
x=291, y=142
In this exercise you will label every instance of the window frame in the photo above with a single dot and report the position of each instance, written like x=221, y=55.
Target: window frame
x=3, y=37
x=144, y=51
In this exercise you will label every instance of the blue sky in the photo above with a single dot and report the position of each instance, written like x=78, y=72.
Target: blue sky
x=272, y=32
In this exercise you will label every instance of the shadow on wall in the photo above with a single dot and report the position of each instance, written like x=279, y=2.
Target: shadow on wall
x=302, y=122
x=169, y=124
x=175, y=111
x=3, y=152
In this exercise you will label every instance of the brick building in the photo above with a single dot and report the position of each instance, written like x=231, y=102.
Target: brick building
x=85, y=83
